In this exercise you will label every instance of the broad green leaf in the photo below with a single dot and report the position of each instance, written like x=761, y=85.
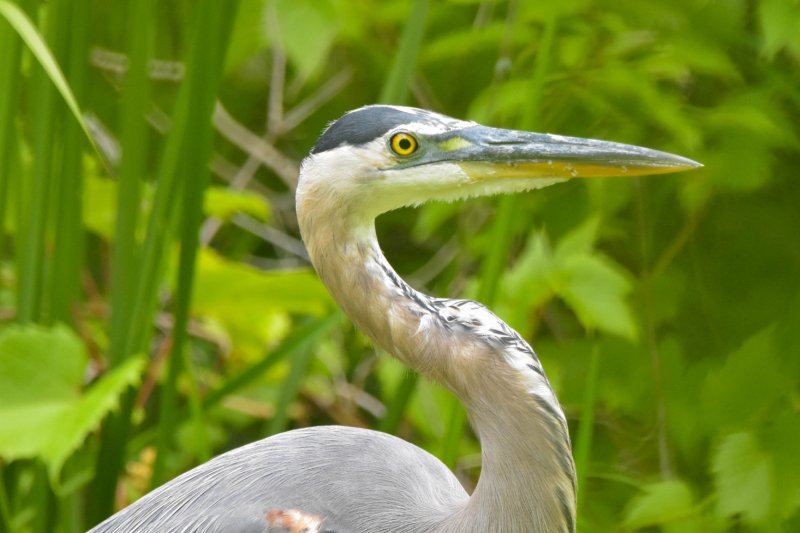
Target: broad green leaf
x=780, y=26
x=529, y=278
x=249, y=35
x=753, y=113
x=783, y=437
x=50, y=362
x=595, y=288
x=660, y=503
x=743, y=478
x=526, y=285
x=99, y=205
x=706, y=57
x=224, y=284
x=535, y=11
x=43, y=412
x=251, y=306
x=69, y=431
x=100, y=195
x=454, y=45
x=578, y=241
x=307, y=29
x=224, y=203
x=748, y=387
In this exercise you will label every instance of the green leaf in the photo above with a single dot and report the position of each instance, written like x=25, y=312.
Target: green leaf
x=454, y=45
x=529, y=277
x=43, y=413
x=226, y=286
x=249, y=35
x=783, y=438
x=224, y=203
x=49, y=362
x=27, y=31
x=780, y=26
x=595, y=288
x=100, y=210
x=661, y=503
x=748, y=387
x=743, y=478
x=578, y=241
x=251, y=306
x=307, y=29
x=99, y=205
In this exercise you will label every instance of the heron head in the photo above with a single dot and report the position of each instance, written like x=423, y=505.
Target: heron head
x=378, y=158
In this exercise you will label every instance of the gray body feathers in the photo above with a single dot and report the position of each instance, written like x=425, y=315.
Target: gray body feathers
x=355, y=480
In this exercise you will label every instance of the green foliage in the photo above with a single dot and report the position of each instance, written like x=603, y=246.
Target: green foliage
x=306, y=30
x=223, y=203
x=251, y=306
x=33, y=40
x=43, y=412
x=664, y=309
x=743, y=478
x=591, y=285
x=665, y=502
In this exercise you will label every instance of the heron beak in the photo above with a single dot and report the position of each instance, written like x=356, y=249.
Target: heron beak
x=492, y=153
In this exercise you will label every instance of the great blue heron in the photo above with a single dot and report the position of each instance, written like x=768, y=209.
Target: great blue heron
x=340, y=479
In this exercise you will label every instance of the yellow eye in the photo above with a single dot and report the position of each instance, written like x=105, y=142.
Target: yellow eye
x=403, y=143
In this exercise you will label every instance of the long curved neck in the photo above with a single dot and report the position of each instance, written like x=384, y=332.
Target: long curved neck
x=527, y=479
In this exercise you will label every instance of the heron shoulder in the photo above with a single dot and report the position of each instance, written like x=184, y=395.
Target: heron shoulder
x=346, y=476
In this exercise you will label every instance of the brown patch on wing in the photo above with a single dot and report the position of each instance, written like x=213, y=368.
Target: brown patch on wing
x=294, y=521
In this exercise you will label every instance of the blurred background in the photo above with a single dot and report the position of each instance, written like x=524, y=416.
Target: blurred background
x=158, y=307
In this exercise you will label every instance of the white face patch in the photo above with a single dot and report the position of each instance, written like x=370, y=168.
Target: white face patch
x=369, y=178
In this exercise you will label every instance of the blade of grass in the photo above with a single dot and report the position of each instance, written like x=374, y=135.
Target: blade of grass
x=68, y=239
x=400, y=400
x=395, y=89
x=10, y=78
x=5, y=507
x=69, y=40
x=502, y=235
x=583, y=442
x=36, y=44
x=125, y=267
x=161, y=220
x=34, y=212
x=40, y=495
x=301, y=340
x=204, y=74
x=136, y=99
x=649, y=320
x=69, y=513
x=192, y=110
x=288, y=392
x=301, y=357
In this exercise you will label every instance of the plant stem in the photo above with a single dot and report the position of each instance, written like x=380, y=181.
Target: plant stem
x=583, y=442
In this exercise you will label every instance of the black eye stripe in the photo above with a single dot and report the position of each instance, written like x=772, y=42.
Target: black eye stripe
x=366, y=124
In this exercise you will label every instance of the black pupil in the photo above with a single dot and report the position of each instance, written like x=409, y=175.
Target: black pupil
x=404, y=144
